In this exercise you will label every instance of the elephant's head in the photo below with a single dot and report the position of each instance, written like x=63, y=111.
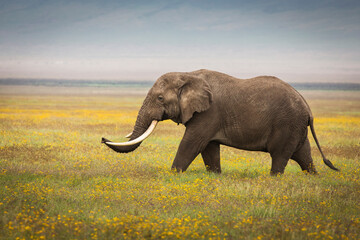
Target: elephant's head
x=175, y=96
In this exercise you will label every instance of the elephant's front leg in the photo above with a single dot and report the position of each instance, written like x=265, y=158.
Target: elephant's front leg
x=191, y=145
x=211, y=157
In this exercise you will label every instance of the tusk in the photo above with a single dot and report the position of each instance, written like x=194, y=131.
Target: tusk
x=129, y=135
x=139, y=139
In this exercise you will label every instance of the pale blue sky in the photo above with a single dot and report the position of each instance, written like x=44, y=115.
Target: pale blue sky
x=141, y=40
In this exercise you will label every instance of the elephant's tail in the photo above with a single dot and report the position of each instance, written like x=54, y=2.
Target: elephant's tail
x=326, y=161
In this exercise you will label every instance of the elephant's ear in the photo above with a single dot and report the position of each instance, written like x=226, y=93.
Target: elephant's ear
x=194, y=96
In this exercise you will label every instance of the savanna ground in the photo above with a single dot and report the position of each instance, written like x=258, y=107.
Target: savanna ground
x=58, y=182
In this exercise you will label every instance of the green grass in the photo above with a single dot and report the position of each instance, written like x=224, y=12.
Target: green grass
x=58, y=182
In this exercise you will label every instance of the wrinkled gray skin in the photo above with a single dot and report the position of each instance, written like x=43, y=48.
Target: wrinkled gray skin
x=257, y=114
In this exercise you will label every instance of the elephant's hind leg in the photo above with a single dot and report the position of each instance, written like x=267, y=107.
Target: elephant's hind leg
x=303, y=157
x=278, y=164
x=281, y=148
x=211, y=157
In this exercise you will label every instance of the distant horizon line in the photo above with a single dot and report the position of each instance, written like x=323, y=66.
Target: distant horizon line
x=342, y=86
x=26, y=79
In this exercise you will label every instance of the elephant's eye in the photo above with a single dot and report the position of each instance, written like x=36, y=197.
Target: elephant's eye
x=161, y=98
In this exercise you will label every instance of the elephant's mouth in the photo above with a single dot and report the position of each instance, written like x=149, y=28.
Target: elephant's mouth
x=177, y=120
x=165, y=116
x=172, y=117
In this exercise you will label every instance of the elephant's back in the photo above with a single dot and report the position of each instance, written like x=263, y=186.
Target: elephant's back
x=269, y=86
x=274, y=97
x=255, y=108
x=265, y=97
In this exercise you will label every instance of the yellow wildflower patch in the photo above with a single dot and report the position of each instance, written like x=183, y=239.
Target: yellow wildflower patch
x=57, y=181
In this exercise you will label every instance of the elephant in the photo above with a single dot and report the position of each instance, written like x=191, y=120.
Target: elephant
x=257, y=114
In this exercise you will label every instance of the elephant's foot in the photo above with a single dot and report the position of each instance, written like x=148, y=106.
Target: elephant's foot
x=304, y=159
x=278, y=165
x=213, y=169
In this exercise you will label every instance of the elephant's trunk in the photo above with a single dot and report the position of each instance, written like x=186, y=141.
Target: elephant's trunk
x=144, y=126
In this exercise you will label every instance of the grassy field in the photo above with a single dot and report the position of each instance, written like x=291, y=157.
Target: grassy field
x=58, y=182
